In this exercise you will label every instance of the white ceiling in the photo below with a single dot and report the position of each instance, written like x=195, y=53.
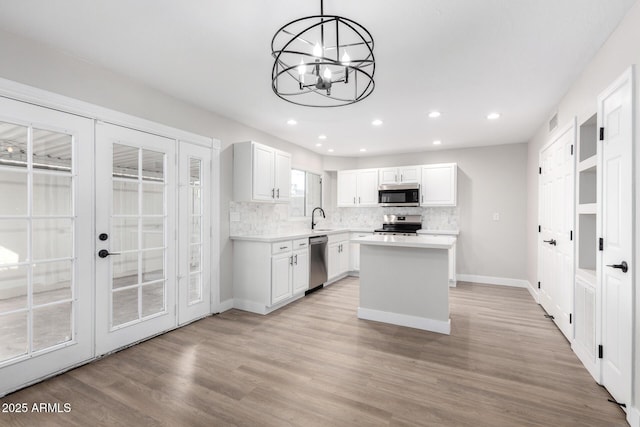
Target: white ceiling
x=465, y=58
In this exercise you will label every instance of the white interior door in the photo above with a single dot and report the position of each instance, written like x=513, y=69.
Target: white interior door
x=194, y=277
x=136, y=242
x=46, y=172
x=615, y=115
x=557, y=220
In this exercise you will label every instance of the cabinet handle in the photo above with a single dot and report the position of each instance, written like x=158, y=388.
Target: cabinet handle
x=401, y=178
x=359, y=200
x=422, y=198
x=296, y=261
x=278, y=193
x=273, y=193
x=283, y=247
x=354, y=200
x=291, y=260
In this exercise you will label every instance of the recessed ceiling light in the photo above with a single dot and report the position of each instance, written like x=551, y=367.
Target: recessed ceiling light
x=434, y=114
x=322, y=137
x=437, y=142
x=318, y=145
x=330, y=150
x=362, y=150
x=376, y=122
x=493, y=116
x=10, y=149
x=291, y=122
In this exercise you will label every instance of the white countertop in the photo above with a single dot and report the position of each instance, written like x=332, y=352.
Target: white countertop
x=443, y=232
x=424, y=242
x=290, y=236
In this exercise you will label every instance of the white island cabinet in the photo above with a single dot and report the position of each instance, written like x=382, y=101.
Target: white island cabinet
x=404, y=281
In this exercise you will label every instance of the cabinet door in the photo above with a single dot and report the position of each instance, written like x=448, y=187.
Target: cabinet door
x=263, y=173
x=282, y=176
x=333, y=260
x=300, y=271
x=280, y=277
x=388, y=175
x=439, y=185
x=344, y=257
x=354, y=256
x=367, y=187
x=347, y=188
x=409, y=174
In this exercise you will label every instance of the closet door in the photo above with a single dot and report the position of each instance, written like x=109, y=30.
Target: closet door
x=46, y=244
x=136, y=241
x=556, y=228
x=616, y=126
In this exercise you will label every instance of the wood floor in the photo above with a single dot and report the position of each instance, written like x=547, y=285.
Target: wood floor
x=313, y=363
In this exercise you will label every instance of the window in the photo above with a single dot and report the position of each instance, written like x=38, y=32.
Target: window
x=306, y=193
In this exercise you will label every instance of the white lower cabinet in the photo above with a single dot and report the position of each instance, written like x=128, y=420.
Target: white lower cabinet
x=354, y=251
x=268, y=275
x=337, y=255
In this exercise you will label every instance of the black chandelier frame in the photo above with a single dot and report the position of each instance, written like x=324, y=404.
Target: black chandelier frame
x=358, y=71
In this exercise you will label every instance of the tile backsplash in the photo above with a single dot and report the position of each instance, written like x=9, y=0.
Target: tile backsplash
x=263, y=218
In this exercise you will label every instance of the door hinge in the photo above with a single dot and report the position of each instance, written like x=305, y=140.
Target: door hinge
x=571, y=235
x=538, y=285
x=539, y=229
x=540, y=171
x=601, y=134
x=600, y=351
x=570, y=318
x=601, y=244
x=572, y=149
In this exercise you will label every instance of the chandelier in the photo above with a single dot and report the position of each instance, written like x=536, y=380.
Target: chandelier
x=322, y=61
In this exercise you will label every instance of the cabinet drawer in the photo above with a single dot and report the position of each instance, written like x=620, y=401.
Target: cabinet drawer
x=300, y=244
x=338, y=237
x=279, y=247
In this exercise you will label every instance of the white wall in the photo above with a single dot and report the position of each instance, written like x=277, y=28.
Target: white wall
x=617, y=54
x=38, y=65
x=490, y=180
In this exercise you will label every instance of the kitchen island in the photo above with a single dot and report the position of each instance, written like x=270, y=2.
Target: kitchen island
x=404, y=281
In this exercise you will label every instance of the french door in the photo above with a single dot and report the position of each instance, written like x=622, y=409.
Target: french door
x=46, y=289
x=194, y=278
x=556, y=228
x=135, y=236
x=615, y=114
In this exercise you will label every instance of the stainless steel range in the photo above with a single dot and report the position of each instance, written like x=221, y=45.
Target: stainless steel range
x=400, y=225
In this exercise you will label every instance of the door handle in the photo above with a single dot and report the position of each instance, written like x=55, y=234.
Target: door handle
x=103, y=253
x=551, y=242
x=622, y=266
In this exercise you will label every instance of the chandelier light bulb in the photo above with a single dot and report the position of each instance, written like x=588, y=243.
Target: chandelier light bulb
x=327, y=73
x=317, y=50
x=302, y=69
x=10, y=149
x=345, y=59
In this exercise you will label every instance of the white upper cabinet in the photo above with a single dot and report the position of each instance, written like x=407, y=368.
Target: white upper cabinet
x=358, y=188
x=439, y=185
x=400, y=175
x=260, y=173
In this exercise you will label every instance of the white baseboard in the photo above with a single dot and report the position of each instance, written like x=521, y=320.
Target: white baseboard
x=633, y=416
x=246, y=305
x=534, y=292
x=489, y=280
x=225, y=305
x=423, y=323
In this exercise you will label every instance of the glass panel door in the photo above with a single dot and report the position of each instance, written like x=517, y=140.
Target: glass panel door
x=194, y=292
x=45, y=257
x=136, y=287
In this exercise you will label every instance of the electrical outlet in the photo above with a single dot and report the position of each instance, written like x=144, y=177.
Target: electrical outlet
x=234, y=216
x=496, y=216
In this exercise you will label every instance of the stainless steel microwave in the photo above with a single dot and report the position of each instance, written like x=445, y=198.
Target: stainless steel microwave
x=399, y=195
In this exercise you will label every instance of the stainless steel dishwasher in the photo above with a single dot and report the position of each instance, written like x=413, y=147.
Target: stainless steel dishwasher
x=318, y=262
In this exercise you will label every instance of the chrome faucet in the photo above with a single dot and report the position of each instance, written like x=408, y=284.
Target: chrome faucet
x=313, y=223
